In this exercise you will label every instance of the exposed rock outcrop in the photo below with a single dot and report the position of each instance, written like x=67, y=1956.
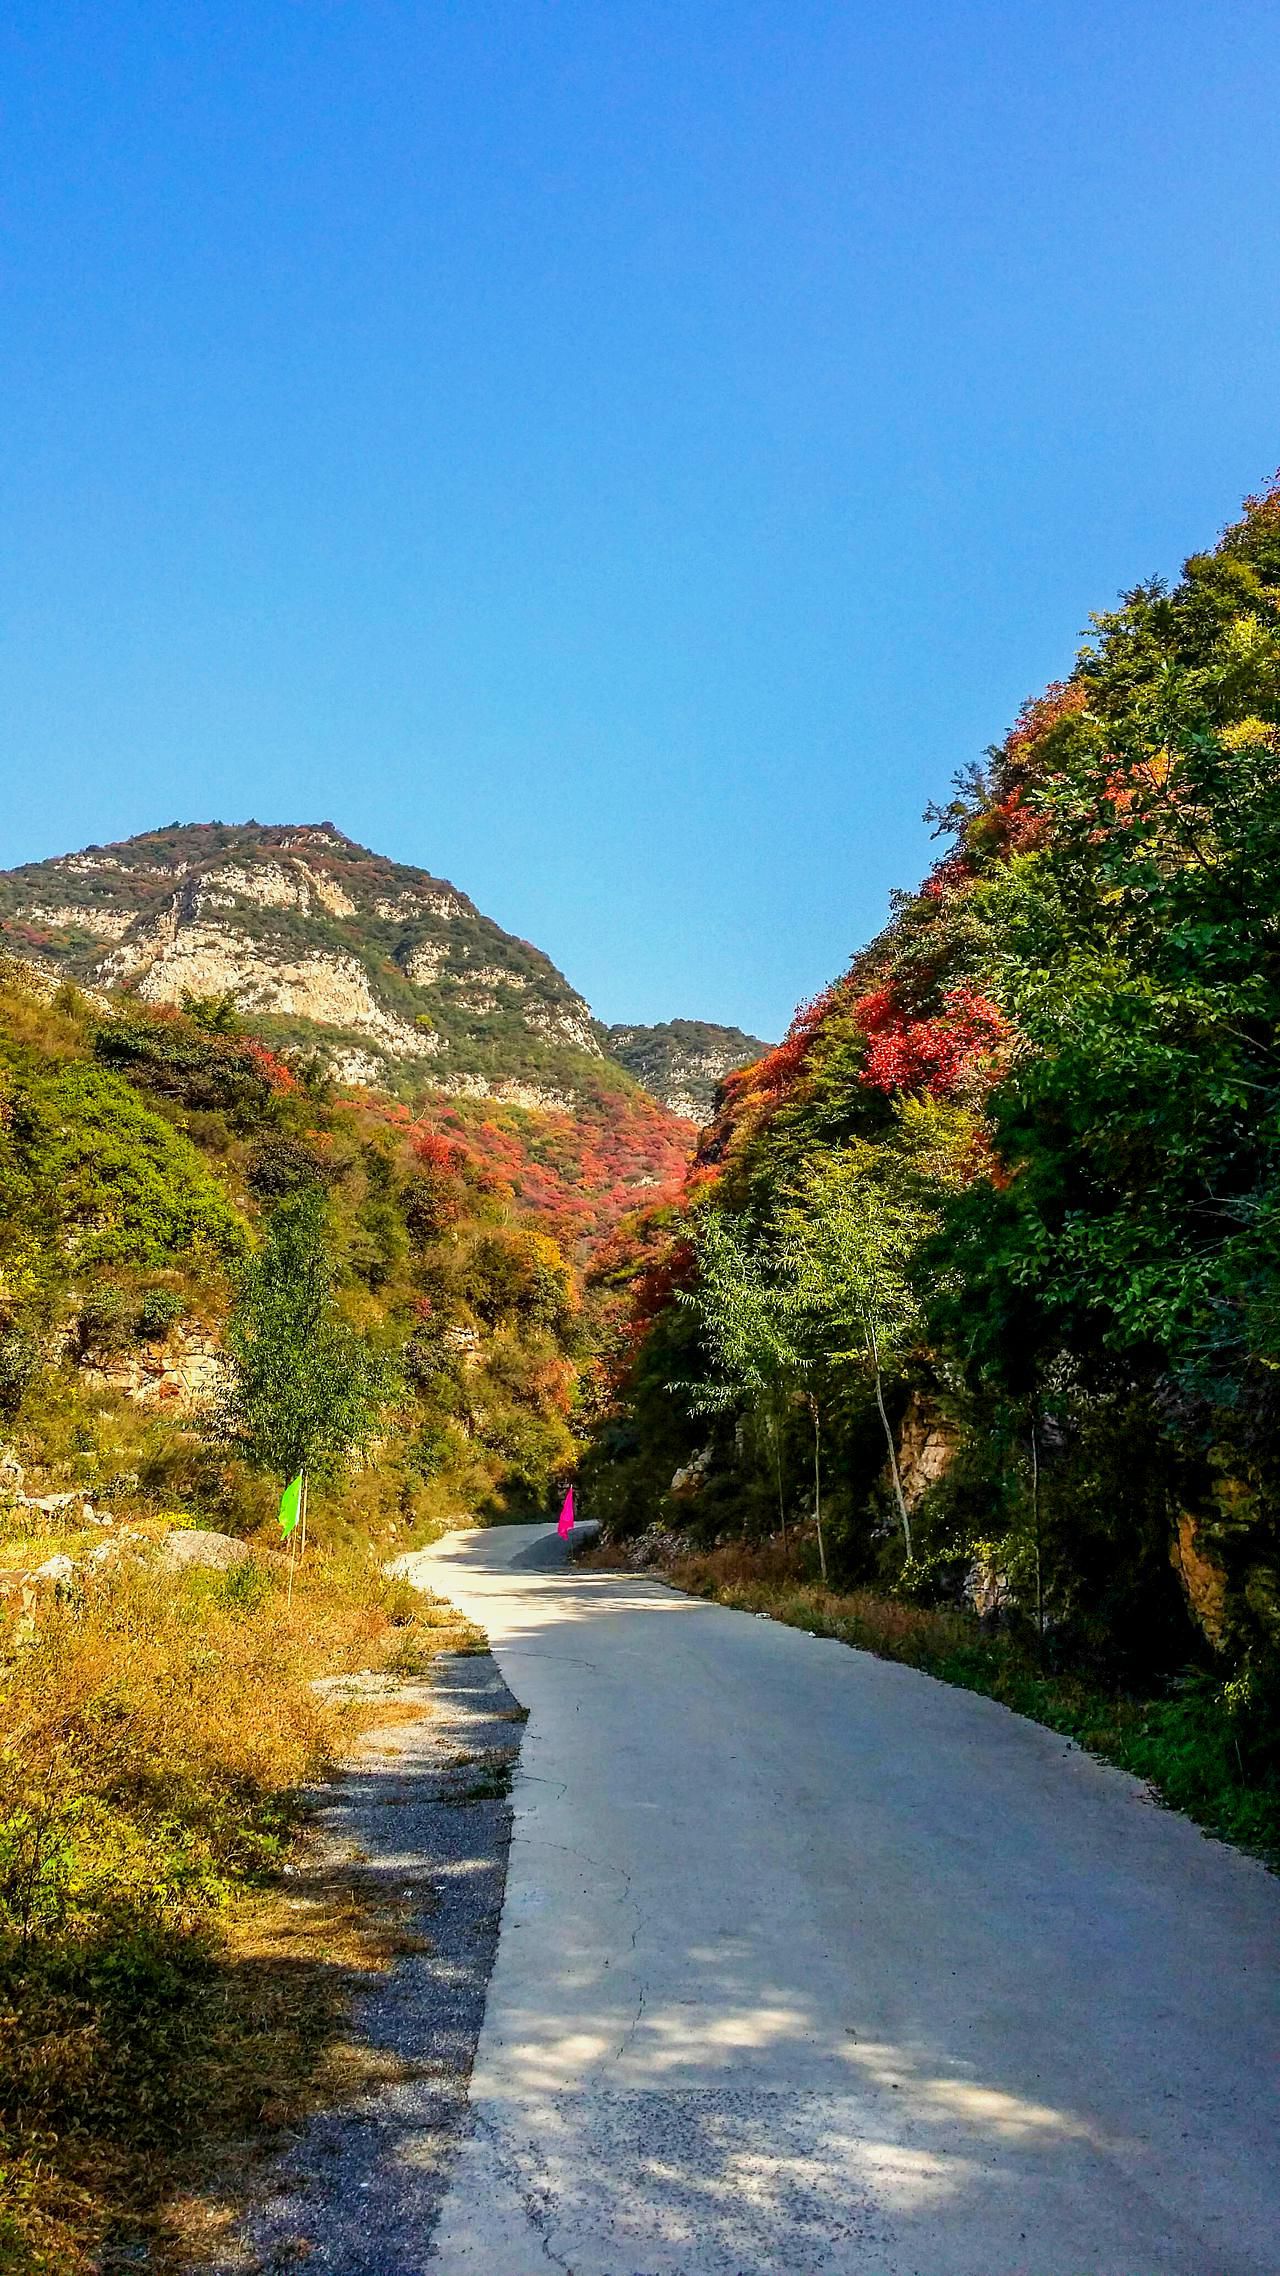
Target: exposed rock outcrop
x=927, y=1447
x=1205, y=1581
x=384, y=966
x=181, y=1372
x=180, y=954
x=190, y=1549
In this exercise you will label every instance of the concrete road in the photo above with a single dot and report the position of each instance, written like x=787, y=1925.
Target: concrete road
x=808, y=1962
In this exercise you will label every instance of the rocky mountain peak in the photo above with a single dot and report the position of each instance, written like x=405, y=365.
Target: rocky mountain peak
x=393, y=972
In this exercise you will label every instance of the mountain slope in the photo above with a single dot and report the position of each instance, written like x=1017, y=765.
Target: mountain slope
x=393, y=971
x=682, y=1060
x=391, y=978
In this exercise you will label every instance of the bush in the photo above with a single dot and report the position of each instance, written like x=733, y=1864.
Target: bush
x=113, y=1182
x=179, y=1060
x=19, y=1361
x=104, y=1325
x=278, y=1166
x=157, y=1311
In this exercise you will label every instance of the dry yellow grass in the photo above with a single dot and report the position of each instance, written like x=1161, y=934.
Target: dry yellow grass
x=166, y=1996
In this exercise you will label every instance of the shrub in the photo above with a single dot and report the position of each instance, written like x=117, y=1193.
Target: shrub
x=19, y=1361
x=278, y=1166
x=177, y=1059
x=158, y=1309
x=119, y=1183
x=104, y=1324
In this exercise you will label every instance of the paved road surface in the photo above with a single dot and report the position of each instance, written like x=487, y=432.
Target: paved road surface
x=810, y=1963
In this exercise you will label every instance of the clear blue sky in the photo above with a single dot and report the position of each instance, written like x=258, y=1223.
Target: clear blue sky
x=622, y=454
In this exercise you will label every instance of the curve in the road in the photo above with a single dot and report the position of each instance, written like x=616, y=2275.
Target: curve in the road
x=809, y=1962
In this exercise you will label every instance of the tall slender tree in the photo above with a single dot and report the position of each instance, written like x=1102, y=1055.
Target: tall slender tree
x=748, y=1331
x=846, y=1241
x=303, y=1389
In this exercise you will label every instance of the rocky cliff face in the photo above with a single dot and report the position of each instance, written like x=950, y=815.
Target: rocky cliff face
x=394, y=973
x=681, y=1060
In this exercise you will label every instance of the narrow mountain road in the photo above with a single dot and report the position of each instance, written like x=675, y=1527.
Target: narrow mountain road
x=808, y=1962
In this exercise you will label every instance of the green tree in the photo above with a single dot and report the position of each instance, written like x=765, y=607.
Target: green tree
x=748, y=1332
x=847, y=1242
x=304, y=1390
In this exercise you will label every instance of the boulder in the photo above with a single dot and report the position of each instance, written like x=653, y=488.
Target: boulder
x=693, y=1477
x=186, y=1549
x=58, y=1572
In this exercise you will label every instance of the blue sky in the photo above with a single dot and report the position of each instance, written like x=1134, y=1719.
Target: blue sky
x=621, y=455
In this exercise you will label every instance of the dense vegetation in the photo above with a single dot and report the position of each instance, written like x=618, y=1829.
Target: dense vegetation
x=391, y=1317
x=141, y=1154
x=981, y=1266
x=682, y=1060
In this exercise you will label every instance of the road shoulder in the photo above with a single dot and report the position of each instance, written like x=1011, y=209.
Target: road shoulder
x=422, y=1820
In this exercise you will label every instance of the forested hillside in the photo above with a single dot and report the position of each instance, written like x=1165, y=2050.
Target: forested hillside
x=142, y=1155
x=682, y=1060
x=981, y=1265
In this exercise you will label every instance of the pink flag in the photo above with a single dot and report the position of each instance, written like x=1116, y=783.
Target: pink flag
x=566, y=1516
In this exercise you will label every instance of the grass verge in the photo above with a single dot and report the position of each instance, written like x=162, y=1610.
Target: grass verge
x=1200, y=1747
x=176, y=1962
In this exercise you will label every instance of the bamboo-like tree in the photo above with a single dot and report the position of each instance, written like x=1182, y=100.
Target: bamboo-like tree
x=747, y=1322
x=846, y=1239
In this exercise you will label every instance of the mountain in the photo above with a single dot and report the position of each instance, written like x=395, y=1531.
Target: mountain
x=394, y=973
x=390, y=976
x=682, y=1060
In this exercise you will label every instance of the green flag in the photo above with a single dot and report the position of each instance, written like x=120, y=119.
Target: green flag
x=289, y=1501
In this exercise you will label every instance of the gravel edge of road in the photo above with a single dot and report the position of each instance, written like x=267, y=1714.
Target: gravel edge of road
x=422, y=1816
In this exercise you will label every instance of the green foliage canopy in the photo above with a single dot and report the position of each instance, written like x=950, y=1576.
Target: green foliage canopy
x=304, y=1390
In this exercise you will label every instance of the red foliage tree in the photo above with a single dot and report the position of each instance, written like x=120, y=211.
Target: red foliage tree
x=932, y=1058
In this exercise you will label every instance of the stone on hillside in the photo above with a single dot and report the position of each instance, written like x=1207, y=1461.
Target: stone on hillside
x=928, y=1444
x=12, y=1475
x=693, y=1477
x=183, y=1370
x=57, y=1572
x=186, y=1549
x=655, y=1546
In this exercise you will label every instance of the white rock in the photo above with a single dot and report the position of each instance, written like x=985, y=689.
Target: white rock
x=58, y=1572
x=185, y=1549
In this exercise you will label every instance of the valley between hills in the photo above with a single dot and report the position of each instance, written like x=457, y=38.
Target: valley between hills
x=946, y=1329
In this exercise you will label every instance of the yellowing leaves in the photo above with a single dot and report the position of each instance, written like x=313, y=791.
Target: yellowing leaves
x=1250, y=734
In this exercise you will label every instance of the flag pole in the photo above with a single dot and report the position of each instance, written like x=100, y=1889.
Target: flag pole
x=293, y=1506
